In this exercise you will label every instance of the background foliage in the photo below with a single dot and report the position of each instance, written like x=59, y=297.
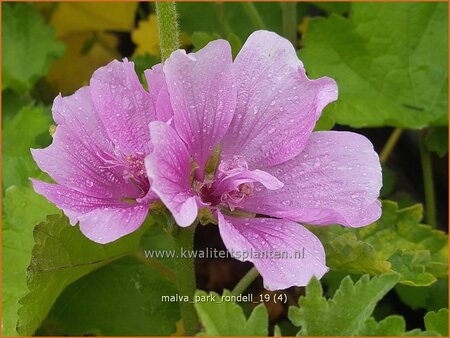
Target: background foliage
x=389, y=278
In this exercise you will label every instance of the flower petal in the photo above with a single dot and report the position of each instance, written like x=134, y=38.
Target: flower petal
x=107, y=225
x=277, y=105
x=336, y=179
x=169, y=167
x=232, y=182
x=156, y=81
x=203, y=97
x=123, y=105
x=77, y=156
x=284, y=253
x=101, y=220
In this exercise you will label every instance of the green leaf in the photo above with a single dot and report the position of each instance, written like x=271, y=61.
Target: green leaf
x=386, y=63
x=12, y=102
x=437, y=321
x=22, y=209
x=333, y=7
x=433, y=297
x=222, y=317
x=277, y=331
x=201, y=39
x=120, y=299
x=349, y=311
x=224, y=18
x=411, y=265
x=23, y=130
x=396, y=242
x=346, y=313
x=437, y=140
x=143, y=62
x=137, y=283
x=29, y=46
x=235, y=43
x=326, y=121
x=27, y=128
x=390, y=326
x=61, y=256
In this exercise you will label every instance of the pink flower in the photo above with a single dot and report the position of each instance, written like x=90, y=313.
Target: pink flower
x=98, y=150
x=260, y=111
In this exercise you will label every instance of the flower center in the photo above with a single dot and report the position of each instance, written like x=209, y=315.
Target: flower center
x=233, y=183
x=135, y=168
x=132, y=167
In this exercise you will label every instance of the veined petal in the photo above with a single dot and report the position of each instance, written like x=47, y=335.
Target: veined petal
x=336, y=179
x=107, y=225
x=123, y=105
x=277, y=105
x=169, y=167
x=78, y=113
x=156, y=81
x=284, y=253
x=78, y=156
x=101, y=220
x=203, y=97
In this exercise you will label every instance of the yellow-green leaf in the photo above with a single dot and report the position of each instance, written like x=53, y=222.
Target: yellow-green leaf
x=76, y=17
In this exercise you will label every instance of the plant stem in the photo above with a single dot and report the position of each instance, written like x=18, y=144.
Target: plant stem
x=289, y=10
x=427, y=171
x=390, y=144
x=168, y=28
x=244, y=283
x=253, y=14
x=184, y=238
x=185, y=275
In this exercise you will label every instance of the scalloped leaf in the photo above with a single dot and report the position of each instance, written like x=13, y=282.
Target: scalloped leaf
x=25, y=33
x=346, y=313
x=396, y=242
x=437, y=321
x=386, y=62
x=226, y=318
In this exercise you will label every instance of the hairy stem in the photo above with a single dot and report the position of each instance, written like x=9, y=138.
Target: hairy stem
x=427, y=171
x=185, y=275
x=168, y=28
x=390, y=144
x=253, y=14
x=244, y=283
x=289, y=10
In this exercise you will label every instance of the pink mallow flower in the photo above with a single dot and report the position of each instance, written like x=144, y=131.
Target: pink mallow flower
x=259, y=112
x=98, y=150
